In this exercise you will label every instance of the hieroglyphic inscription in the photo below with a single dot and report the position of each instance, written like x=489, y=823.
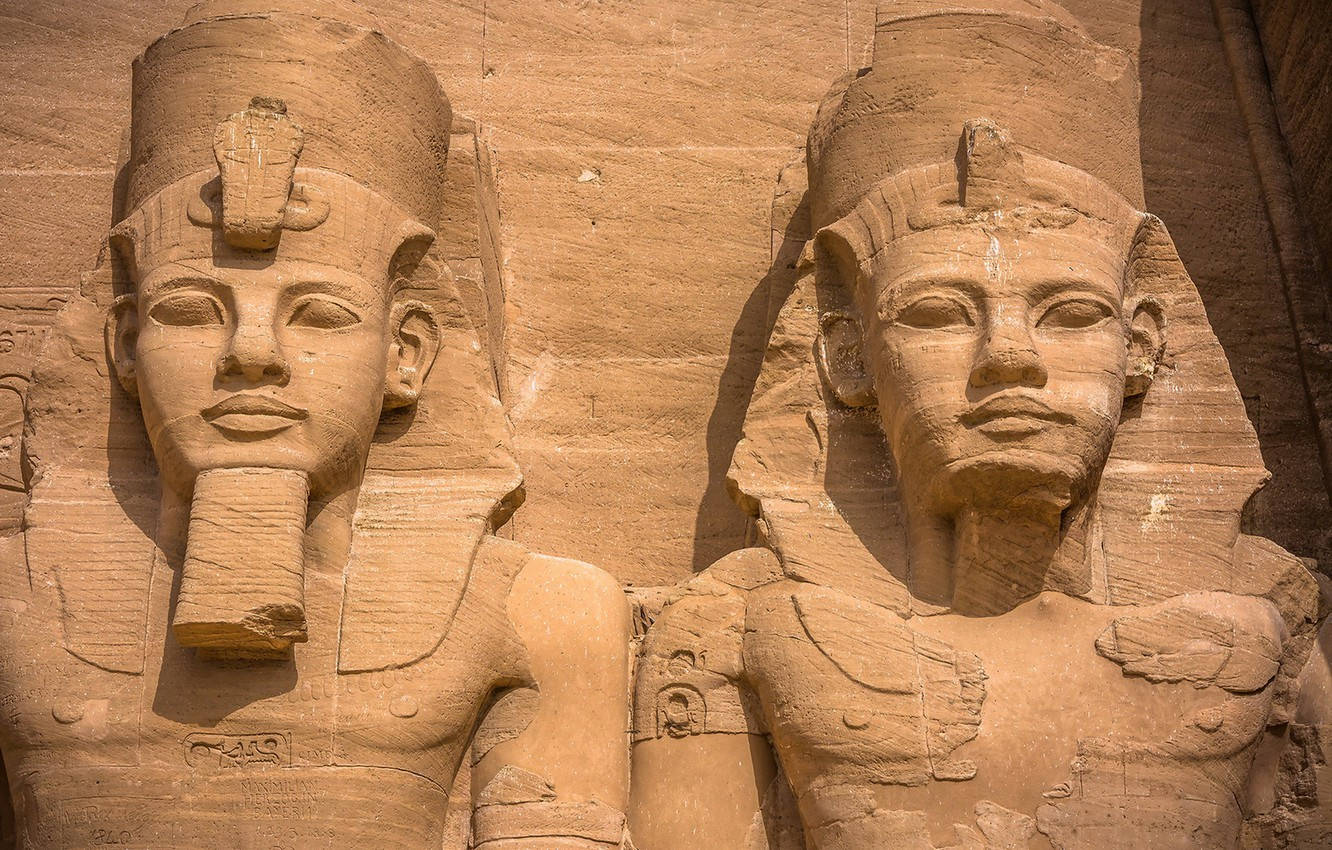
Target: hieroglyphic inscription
x=227, y=752
x=329, y=687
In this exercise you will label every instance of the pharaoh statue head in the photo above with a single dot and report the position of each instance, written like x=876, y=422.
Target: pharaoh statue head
x=277, y=211
x=994, y=322
x=985, y=307
x=272, y=312
x=992, y=317
x=279, y=201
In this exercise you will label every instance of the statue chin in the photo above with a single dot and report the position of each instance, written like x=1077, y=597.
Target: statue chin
x=1010, y=479
x=330, y=468
x=998, y=463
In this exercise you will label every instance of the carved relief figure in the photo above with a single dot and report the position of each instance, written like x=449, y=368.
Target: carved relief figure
x=258, y=600
x=996, y=462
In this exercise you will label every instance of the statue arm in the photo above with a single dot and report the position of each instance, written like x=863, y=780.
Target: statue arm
x=702, y=764
x=564, y=780
x=1289, y=784
x=700, y=792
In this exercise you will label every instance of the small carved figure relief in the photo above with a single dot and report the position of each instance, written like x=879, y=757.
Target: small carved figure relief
x=996, y=461
x=257, y=600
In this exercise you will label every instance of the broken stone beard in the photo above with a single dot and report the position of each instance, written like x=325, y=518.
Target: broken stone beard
x=242, y=586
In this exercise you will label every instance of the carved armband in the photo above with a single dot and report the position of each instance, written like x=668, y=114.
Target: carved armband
x=690, y=670
x=518, y=809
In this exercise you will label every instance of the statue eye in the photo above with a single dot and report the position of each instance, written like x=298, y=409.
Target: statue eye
x=322, y=313
x=1075, y=314
x=935, y=312
x=187, y=310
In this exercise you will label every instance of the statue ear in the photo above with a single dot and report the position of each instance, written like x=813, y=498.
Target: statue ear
x=1146, y=346
x=411, y=354
x=415, y=331
x=839, y=350
x=1154, y=270
x=122, y=340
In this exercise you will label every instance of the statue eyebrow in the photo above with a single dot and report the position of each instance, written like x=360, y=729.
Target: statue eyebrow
x=339, y=289
x=918, y=281
x=1054, y=285
x=183, y=281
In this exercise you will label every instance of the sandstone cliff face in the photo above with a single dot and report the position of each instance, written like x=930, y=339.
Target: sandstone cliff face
x=1299, y=54
x=630, y=256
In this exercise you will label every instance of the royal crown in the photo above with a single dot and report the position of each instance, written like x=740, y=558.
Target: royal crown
x=245, y=89
x=1025, y=67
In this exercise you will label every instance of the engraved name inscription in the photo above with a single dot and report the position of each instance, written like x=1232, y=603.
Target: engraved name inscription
x=229, y=752
x=289, y=799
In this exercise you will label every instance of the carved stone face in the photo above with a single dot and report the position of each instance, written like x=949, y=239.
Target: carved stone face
x=284, y=364
x=999, y=358
x=277, y=367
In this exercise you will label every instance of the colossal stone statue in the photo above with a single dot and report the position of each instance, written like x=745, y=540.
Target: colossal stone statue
x=996, y=462
x=257, y=600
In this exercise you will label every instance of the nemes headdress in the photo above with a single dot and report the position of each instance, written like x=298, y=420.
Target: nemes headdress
x=1003, y=112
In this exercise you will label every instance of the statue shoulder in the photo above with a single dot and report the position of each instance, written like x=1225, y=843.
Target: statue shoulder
x=533, y=583
x=707, y=610
x=569, y=613
x=716, y=598
x=1289, y=584
x=1264, y=569
x=581, y=594
x=691, y=677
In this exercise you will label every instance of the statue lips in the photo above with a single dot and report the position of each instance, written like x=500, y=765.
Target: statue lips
x=1013, y=416
x=253, y=415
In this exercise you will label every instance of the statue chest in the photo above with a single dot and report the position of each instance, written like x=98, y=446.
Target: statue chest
x=939, y=718
x=200, y=753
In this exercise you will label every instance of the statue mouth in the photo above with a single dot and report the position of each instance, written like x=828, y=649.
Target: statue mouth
x=1009, y=416
x=253, y=414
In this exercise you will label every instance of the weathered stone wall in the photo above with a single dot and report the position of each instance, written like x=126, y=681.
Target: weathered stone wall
x=635, y=148
x=1201, y=180
x=1297, y=41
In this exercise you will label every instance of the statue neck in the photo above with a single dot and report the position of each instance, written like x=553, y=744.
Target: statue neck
x=982, y=561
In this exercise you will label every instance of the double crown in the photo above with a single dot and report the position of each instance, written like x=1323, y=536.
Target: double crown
x=1033, y=97
x=258, y=118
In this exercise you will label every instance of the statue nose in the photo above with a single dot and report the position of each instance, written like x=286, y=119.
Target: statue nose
x=254, y=355
x=1008, y=357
